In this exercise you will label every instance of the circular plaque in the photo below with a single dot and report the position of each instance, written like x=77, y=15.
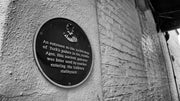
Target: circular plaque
x=63, y=52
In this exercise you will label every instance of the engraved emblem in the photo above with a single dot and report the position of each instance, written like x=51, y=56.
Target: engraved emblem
x=69, y=33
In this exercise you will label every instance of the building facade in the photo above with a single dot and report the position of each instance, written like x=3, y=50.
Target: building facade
x=129, y=61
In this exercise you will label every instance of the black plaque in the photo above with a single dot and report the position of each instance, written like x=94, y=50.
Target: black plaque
x=63, y=52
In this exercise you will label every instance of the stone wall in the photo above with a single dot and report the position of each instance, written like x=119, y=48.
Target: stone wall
x=20, y=78
x=133, y=67
x=3, y=13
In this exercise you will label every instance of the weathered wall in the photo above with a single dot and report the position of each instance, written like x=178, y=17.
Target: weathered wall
x=3, y=13
x=20, y=79
x=133, y=67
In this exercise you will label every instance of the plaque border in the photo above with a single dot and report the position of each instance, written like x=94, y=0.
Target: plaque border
x=39, y=67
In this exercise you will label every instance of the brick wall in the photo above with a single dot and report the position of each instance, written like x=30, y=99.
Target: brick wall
x=132, y=62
